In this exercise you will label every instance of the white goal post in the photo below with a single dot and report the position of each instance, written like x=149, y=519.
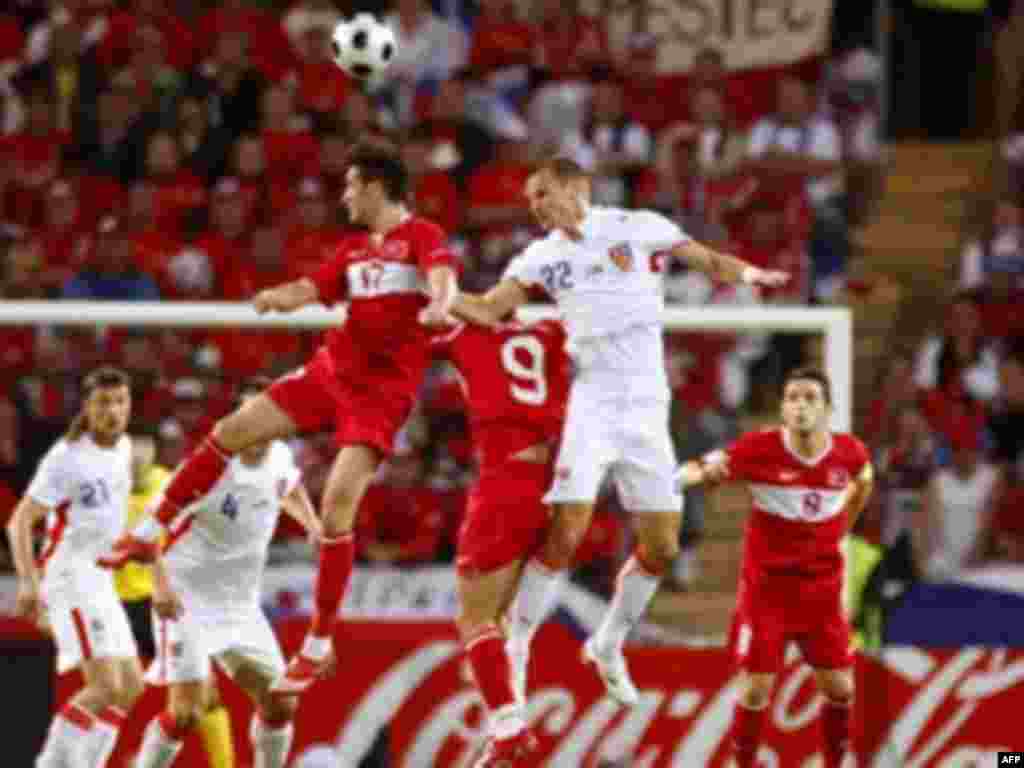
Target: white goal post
x=836, y=325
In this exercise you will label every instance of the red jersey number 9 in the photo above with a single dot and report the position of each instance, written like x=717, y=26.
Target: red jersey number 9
x=522, y=357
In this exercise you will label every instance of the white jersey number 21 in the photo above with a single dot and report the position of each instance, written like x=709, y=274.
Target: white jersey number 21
x=528, y=383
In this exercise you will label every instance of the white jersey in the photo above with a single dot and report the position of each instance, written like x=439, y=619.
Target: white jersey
x=609, y=289
x=86, y=487
x=217, y=549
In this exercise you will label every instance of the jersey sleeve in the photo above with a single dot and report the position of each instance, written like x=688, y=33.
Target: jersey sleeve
x=526, y=268
x=330, y=279
x=433, y=250
x=741, y=456
x=50, y=484
x=861, y=468
x=657, y=232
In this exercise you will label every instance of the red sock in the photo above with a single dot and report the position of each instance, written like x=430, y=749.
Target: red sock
x=835, y=723
x=336, y=556
x=746, y=734
x=486, y=652
x=193, y=479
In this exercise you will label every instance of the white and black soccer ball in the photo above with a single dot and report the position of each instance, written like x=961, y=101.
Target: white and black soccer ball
x=363, y=47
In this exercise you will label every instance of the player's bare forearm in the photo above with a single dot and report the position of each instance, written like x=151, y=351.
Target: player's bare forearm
x=443, y=287
x=720, y=266
x=860, y=495
x=19, y=534
x=690, y=475
x=493, y=306
x=287, y=297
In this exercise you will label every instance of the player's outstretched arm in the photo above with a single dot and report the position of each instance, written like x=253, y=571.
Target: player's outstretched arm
x=443, y=287
x=19, y=534
x=860, y=494
x=491, y=308
x=729, y=269
x=166, y=602
x=299, y=507
x=287, y=297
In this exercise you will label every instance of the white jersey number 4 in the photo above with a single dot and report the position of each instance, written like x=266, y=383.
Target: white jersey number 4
x=528, y=383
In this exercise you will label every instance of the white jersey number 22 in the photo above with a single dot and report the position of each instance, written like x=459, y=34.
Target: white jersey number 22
x=528, y=383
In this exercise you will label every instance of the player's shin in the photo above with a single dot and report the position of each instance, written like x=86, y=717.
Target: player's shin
x=335, y=568
x=161, y=742
x=490, y=665
x=636, y=585
x=194, y=478
x=271, y=741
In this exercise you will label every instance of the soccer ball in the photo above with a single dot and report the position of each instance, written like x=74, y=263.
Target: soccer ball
x=363, y=47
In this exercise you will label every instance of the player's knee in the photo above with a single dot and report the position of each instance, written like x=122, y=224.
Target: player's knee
x=126, y=694
x=659, y=552
x=837, y=688
x=569, y=525
x=470, y=623
x=277, y=709
x=184, y=713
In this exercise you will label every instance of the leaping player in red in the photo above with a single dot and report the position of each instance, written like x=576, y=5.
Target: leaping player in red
x=399, y=278
x=808, y=486
x=516, y=380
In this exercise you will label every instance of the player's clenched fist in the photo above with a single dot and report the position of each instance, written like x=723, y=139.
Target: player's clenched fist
x=270, y=300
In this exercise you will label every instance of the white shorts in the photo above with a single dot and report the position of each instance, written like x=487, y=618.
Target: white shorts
x=86, y=617
x=628, y=439
x=186, y=646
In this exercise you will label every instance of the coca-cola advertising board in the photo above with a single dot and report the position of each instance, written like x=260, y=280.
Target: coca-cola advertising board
x=916, y=708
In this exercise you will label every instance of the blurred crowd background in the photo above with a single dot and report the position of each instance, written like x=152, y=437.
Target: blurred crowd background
x=189, y=150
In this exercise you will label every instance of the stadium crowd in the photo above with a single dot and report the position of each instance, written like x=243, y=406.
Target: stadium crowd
x=183, y=150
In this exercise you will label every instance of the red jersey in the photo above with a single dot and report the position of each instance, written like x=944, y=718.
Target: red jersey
x=384, y=283
x=517, y=384
x=799, y=506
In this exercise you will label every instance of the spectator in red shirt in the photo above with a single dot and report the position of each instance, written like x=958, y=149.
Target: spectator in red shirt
x=652, y=100
x=709, y=71
x=895, y=390
x=570, y=43
x=178, y=192
x=766, y=243
x=155, y=250
x=396, y=523
x=116, y=48
x=12, y=39
x=157, y=86
x=314, y=236
x=36, y=153
x=63, y=236
x=270, y=48
x=247, y=353
x=323, y=86
x=290, y=151
x=227, y=239
x=501, y=38
x=434, y=194
x=497, y=210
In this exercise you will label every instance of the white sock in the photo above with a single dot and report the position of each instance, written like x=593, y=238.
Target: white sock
x=539, y=587
x=270, y=744
x=101, y=740
x=68, y=729
x=633, y=591
x=507, y=721
x=158, y=749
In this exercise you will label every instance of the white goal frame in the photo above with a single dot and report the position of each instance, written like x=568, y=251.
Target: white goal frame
x=835, y=324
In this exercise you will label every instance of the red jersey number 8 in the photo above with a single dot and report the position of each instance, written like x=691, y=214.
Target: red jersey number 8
x=812, y=504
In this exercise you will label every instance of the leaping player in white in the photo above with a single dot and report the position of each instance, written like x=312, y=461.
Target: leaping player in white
x=604, y=268
x=207, y=599
x=82, y=487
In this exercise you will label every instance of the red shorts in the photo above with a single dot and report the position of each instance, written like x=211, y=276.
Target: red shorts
x=506, y=517
x=315, y=398
x=780, y=609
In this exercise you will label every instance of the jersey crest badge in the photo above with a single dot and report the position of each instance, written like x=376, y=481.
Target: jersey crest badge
x=622, y=256
x=838, y=478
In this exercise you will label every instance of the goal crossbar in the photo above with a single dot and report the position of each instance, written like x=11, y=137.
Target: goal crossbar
x=835, y=324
